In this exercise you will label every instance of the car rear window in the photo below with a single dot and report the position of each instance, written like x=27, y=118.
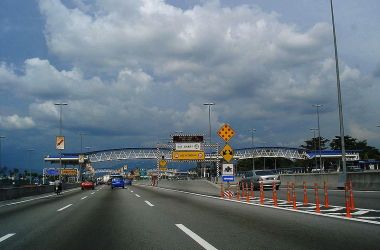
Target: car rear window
x=264, y=172
x=117, y=179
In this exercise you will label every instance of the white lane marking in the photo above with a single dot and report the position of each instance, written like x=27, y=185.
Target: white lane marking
x=353, y=213
x=273, y=207
x=137, y=195
x=131, y=191
x=369, y=218
x=84, y=197
x=196, y=237
x=150, y=204
x=6, y=237
x=59, y=210
x=37, y=198
x=93, y=193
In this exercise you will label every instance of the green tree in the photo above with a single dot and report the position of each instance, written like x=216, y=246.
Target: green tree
x=366, y=152
x=313, y=144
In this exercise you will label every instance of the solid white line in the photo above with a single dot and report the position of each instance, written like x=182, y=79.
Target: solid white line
x=59, y=210
x=93, y=193
x=6, y=237
x=137, y=195
x=259, y=205
x=196, y=237
x=150, y=204
x=369, y=218
x=84, y=197
x=37, y=198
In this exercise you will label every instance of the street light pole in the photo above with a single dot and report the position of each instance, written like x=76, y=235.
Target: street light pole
x=340, y=105
x=209, y=104
x=315, y=147
x=1, y=156
x=30, y=168
x=319, y=136
x=60, y=133
x=253, y=159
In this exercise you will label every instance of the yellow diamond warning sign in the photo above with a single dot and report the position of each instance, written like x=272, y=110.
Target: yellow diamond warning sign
x=227, y=153
x=226, y=132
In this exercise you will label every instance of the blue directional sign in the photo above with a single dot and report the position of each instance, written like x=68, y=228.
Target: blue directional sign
x=228, y=178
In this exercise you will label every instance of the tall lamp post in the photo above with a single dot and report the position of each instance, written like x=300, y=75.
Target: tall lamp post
x=1, y=156
x=81, y=152
x=252, y=130
x=61, y=104
x=315, y=147
x=319, y=135
x=340, y=105
x=30, y=150
x=209, y=104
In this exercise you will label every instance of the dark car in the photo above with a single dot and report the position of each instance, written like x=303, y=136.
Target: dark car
x=117, y=181
x=267, y=177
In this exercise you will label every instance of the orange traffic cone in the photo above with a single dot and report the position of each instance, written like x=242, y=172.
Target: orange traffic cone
x=261, y=194
x=304, y=194
x=274, y=195
x=326, y=195
x=252, y=193
x=247, y=192
x=288, y=187
x=347, y=197
x=294, y=197
x=352, y=204
x=221, y=190
x=317, y=208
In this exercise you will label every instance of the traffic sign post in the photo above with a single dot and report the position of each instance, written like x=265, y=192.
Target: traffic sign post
x=226, y=133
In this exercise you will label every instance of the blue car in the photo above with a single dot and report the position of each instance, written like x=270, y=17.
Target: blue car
x=117, y=181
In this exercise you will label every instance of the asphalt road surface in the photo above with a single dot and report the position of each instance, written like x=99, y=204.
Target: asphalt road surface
x=142, y=217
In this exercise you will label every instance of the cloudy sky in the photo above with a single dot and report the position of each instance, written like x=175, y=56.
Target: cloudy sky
x=133, y=72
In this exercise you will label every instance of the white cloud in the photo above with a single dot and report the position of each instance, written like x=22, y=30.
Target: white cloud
x=15, y=122
x=138, y=66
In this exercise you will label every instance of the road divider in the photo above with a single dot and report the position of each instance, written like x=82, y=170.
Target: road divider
x=196, y=237
x=7, y=236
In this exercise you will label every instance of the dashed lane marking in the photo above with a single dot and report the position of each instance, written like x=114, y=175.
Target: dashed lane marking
x=93, y=193
x=63, y=208
x=196, y=237
x=84, y=197
x=137, y=195
x=150, y=204
x=6, y=237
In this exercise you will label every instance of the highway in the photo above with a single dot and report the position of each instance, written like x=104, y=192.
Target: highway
x=143, y=217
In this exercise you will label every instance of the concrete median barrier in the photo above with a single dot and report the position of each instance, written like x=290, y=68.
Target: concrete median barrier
x=18, y=192
x=360, y=180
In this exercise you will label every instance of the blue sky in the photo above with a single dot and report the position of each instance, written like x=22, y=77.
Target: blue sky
x=134, y=71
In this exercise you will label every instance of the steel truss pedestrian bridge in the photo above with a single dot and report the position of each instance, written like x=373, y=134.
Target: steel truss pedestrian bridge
x=244, y=153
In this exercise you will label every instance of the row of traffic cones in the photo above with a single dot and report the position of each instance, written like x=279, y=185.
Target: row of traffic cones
x=247, y=192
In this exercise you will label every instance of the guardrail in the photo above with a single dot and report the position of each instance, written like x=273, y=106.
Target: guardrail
x=18, y=192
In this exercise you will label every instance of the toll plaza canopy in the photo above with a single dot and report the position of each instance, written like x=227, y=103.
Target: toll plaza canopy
x=352, y=155
x=66, y=159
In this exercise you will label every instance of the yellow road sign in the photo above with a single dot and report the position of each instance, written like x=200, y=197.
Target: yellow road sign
x=60, y=142
x=227, y=153
x=69, y=171
x=162, y=164
x=226, y=132
x=188, y=155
